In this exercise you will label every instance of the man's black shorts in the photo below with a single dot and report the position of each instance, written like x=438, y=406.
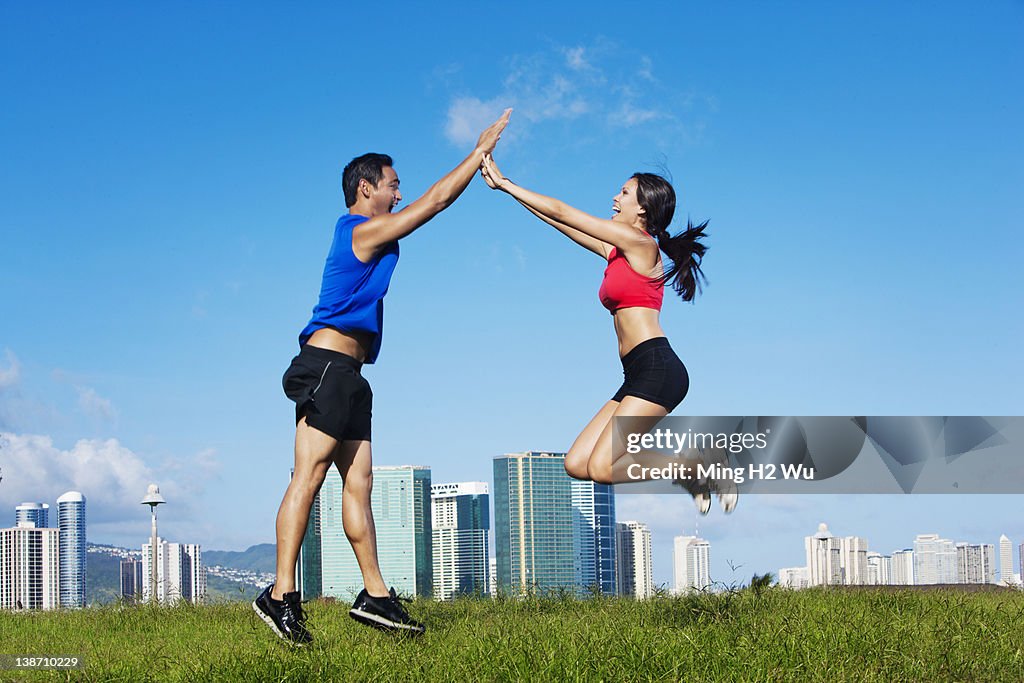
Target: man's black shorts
x=329, y=391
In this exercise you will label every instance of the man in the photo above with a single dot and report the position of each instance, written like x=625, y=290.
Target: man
x=333, y=401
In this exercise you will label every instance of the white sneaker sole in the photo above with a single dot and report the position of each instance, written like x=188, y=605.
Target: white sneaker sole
x=703, y=502
x=378, y=621
x=270, y=622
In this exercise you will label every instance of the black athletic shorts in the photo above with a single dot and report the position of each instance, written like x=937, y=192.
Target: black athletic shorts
x=329, y=391
x=654, y=373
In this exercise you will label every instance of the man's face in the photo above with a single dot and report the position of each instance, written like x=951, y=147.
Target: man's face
x=386, y=195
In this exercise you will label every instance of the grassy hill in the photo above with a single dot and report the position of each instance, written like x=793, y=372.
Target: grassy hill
x=768, y=635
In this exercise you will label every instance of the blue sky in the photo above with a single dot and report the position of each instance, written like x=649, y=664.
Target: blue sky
x=171, y=180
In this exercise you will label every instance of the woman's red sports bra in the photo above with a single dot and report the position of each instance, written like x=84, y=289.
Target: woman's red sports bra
x=623, y=287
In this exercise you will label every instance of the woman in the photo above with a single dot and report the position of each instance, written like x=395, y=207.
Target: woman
x=631, y=241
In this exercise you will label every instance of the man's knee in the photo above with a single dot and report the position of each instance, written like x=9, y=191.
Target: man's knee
x=360, y=485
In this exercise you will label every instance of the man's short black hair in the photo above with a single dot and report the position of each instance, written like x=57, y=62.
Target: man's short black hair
x=369, y=166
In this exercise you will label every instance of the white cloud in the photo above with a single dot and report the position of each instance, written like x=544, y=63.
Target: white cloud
x=9, y=376
x=645, y=70
x=604, y=82
x=467, y=118
x=576, y=58
x=196, y=472
x=629, y=115
x=94, y=405
x=112, y=478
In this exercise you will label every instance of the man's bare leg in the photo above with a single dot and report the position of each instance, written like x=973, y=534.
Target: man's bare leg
x=314, y=451
x=355, y=463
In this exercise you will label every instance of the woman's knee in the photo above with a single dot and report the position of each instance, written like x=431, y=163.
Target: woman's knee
x=576, y=466
x=600, y=473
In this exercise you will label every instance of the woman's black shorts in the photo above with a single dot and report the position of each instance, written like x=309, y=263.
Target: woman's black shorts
x=329, y=391
x=654, y=373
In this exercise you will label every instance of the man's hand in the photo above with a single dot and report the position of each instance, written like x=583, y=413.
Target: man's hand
x=489, y=138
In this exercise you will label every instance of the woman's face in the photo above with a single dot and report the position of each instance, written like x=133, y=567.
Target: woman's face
x=625, y=206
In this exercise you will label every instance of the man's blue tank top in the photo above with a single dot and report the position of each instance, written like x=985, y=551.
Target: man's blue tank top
x=352, y=293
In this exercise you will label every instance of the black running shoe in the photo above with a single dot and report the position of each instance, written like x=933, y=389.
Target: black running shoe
x=283, y=616
x=384, y=613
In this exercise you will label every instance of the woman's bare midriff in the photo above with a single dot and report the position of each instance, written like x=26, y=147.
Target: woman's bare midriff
x=634, y=326
x=355, y=344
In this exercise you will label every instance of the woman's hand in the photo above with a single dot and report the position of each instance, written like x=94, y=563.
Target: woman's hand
x=492, y=175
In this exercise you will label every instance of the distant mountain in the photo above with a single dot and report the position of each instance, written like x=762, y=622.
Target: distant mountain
x=260, y=558
x=103, y=575
x=102, y=578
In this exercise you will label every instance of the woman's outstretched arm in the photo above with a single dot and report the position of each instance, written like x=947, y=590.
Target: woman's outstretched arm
x=595, y=245
x=557, y=212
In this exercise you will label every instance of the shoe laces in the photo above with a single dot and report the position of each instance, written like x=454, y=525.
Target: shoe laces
x=293, y=609
x=398, y=599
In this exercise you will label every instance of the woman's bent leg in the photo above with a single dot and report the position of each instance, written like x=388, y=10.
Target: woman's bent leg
x=578, y=458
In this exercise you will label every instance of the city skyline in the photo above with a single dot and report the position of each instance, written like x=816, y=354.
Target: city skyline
x=952, y=549
x=931, y=560
x=831, y=560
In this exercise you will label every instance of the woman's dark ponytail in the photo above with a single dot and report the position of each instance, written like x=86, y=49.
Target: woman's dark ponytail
x=658, y=200
x=686, y=251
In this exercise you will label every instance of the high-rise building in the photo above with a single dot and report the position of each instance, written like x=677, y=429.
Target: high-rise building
x=492, y=575
x=1005, y=561
x=854, y=559
x=29, y=568
x=37, y=513
x=633, y=558
x=309, y=568
x=879, y=569
x=794, y=577
x=533, y=523
x=71, y=525
x=193, y=573
x=401, y=513
x=903, y=568
x=460, y=527
x=1020, y=551
x=824, y=558
x=934, y=560
x=131, y=580
x=180, y=574
x=593, y=520
x=975, y=563
x=691, y=564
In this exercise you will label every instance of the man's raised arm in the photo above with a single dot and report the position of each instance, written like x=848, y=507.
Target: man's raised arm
x=369, y=237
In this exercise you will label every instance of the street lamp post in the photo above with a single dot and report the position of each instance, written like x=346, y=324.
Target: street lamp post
x=152, y=499
x=824, y=564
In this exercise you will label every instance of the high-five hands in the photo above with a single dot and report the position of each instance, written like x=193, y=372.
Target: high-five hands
x=491, y=174
x=489, y=138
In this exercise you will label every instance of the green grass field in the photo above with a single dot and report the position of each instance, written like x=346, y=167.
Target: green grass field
x=771, y=635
